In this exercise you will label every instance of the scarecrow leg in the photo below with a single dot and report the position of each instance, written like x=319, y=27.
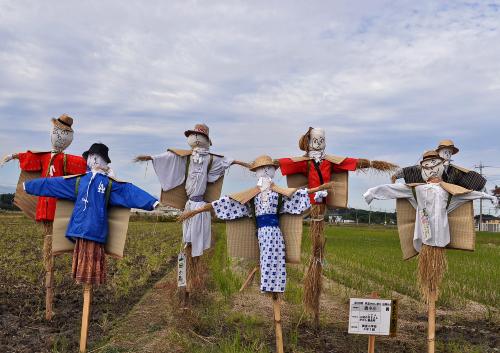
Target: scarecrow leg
x=48, y=260
x=431, y=328
x=87, y=297
x=313, y=282
x=277, y=323
x=250, y=277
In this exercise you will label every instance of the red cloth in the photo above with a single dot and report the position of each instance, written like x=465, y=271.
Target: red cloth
x=42, y=161
x=288, y=167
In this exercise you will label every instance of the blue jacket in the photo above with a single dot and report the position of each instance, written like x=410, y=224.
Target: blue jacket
x=90, y=215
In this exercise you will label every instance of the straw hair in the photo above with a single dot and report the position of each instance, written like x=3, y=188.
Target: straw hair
x=262, y=161
x=432, y=266
x=304, y=140
x=313, y=281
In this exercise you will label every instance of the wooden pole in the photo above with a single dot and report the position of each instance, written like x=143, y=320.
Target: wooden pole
x=371, y=338
x=431, y=328
x=250, y=277
x=277, y=323
x=48, y=261
x=87, y=298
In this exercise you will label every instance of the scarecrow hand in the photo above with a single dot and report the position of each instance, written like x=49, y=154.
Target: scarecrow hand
x=142, y=158
x=184, y=215
x=8, y=158
x=318, y=196
x=243, y=164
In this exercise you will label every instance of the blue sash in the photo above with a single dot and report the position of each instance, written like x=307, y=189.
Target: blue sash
x=267, y=220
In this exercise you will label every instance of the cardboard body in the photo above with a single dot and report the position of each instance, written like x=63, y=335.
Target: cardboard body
x=462, y=232
x=118, y=218
x=336, y=199
x=242, y=241
x=177, y=196
x=26, y=203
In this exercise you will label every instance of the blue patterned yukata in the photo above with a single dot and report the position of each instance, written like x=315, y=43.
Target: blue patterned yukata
x=271, y=242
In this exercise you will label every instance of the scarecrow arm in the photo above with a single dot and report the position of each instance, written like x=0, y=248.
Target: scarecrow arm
x=142, y=158
x=188, y=214
x=59, y=187
x=8, y=158
x=388, y=192
x=130, y=196
x=243, y=164
x=380, y=166
x=325, y=186
x=458, y=200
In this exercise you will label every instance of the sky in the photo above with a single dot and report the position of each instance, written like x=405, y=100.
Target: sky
x=385, y=79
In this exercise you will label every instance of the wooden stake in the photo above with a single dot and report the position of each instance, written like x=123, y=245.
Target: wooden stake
x=431, y=328
x=48, y=261
x=277, y=323
x=371, y=338
x=250, y=277
x=87, y=297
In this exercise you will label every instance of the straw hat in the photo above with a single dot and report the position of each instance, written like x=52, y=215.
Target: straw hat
x=430, y=155
x=199, y=129
x=304, y=140
x=262, y=161
x=447, y=143
x=64, y=122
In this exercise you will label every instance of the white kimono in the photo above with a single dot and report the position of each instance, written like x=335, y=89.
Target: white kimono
x=171, y=171
x=431, y=227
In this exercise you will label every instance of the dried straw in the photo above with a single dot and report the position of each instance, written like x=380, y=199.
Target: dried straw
x=432, y=266
x=363, y=163
x=194, y=276
x=313, y=279
x=142, y=158
x=383, y=166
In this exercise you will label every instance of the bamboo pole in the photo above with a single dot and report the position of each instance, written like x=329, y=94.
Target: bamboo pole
x=87, y=298
x=431, y=328
x=48, y=261
x=250, y=277
x=277, y=323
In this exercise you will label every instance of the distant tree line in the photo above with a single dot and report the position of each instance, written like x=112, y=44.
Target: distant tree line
x=364, y=216
x=7, y=202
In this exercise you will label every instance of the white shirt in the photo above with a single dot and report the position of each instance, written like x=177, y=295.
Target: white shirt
x=432, y=200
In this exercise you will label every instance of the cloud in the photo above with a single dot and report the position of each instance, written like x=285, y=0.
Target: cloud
x=386, y=80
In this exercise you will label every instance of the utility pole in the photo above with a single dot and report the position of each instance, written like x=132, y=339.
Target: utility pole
x=370, y=215
x=480, y=167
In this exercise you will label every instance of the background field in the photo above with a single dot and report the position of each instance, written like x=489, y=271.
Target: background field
x=132, y=314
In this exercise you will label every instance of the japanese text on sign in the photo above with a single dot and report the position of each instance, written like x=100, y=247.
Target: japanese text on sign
x=370, y=316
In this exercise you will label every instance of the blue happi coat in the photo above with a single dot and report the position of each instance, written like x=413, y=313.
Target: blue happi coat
x=90, y=215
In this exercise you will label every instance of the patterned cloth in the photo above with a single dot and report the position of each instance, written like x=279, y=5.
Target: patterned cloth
x=470, y=180
x=271, y=242
x=89, y=262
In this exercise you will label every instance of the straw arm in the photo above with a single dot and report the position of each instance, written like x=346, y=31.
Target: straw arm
x=8, y=158
x=243, y=164
x=188, y=214
x=142, y=158
x=381, y=166
x=325, y=186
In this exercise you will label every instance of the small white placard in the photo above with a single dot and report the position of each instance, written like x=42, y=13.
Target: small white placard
x=181, y=270
x=370, y=316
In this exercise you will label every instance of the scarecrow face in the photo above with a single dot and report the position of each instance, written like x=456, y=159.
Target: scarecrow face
x=95, y=161
x=446, y=153
x=60, y=138
x=317, y=140
x=198, y=140
x=267, y=171
x=432, y=168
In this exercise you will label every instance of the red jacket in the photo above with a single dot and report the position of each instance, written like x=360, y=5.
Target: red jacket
x=50, y=166
x=288, y=167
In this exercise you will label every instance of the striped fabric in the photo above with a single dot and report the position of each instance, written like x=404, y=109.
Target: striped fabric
x=471, y=180
x=89, y=262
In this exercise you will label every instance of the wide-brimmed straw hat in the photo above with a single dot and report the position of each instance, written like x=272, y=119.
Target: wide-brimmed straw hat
x=100, y=149
x=64, y=122
x=262, y=161
x=304, y=140
x=447, y=143
x=199, y=129
x=430, y=155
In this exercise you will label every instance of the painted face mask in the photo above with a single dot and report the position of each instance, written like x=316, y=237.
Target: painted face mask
x=95, y=161
x=265, y=177
x=60, y=139
x=446, y=154
x=432, y=168
x=198, y=141
x=317, y=140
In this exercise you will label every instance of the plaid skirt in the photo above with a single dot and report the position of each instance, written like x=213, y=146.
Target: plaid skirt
x=89, y=262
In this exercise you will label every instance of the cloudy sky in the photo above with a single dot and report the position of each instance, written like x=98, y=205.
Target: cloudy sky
x=386, y=79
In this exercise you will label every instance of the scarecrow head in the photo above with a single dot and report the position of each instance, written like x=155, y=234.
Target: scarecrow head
x=431, y=166
x=198, y=137
x=313, y=140
x=265, y=169
x=446, y=149
x=61, y=134
x=97, y=156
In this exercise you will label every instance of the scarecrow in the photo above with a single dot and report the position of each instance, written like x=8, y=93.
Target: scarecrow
x=313, y=169
x=266, y=203
x=452, y=173
x=88, y=228
x=189, y=179
x=51, y=163
x=434, y=201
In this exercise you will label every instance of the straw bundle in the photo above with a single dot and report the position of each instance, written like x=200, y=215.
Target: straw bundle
x=194, y=276
x=383, y=166
x=313, y=278
x=432, y=266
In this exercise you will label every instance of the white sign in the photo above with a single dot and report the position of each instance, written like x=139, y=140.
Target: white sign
x=181, y=270
x=370, y=316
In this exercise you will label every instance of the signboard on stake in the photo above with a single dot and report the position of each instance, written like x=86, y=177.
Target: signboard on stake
x=372, y=316
x=181, y=269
